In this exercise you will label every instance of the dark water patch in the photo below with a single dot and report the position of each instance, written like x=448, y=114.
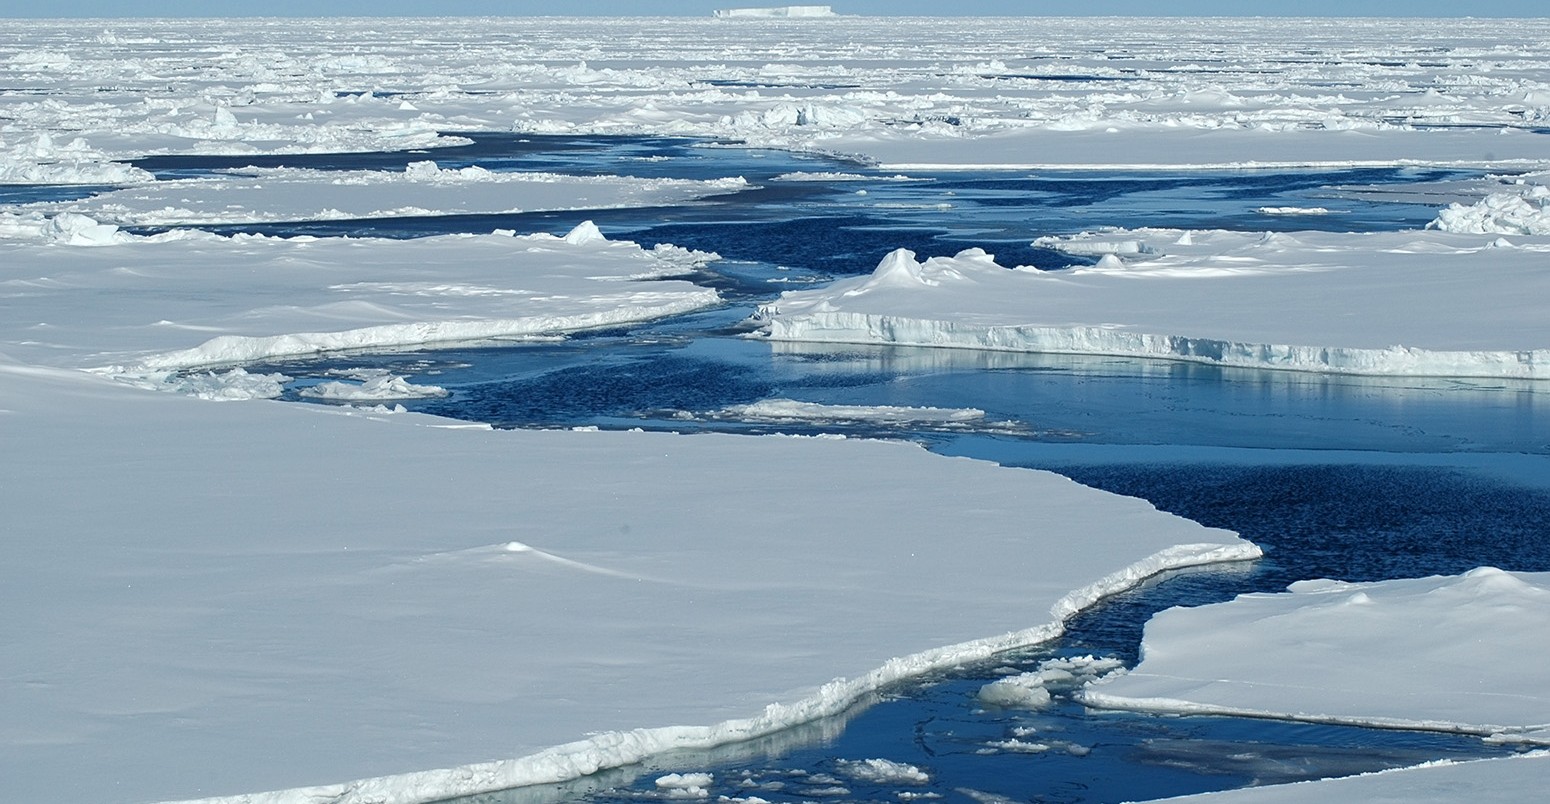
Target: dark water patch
x=732, y=83
x=580, y=155
x=616, y=388
x=1351, y=523
x=1061, y=398
x=845, y=227
x=49, y=193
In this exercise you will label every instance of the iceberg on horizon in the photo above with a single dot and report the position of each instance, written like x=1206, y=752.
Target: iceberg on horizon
x=806, y=12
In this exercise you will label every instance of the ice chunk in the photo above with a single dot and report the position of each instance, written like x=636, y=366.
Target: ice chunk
x=585, y=232
x=882, y=771
x=373, y=389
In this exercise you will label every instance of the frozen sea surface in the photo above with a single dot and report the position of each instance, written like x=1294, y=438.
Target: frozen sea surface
x=1266, y=453
x=1164, y=95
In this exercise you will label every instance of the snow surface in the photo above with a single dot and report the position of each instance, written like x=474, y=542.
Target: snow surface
x=215, y=599
x=188, y=299
x=1459, y=654
x=1419, y=303
x=1510, y=780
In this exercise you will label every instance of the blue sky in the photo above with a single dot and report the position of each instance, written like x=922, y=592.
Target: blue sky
x=304, y=8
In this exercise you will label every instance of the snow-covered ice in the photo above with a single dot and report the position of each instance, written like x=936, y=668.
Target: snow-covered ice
x=188, y=299
x=1510, y=780
x=1421, y=303
x=214, y=599
x=883, y=771
x=217, y=599
x=1459, y=653
x=1031, y=91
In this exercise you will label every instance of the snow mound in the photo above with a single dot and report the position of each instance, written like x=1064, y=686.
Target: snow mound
x=1464, y=672
x=585, y=232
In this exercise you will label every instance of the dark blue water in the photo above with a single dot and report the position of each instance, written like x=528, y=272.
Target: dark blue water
x=838, y=228
x=40, y=193
x=1351, y=478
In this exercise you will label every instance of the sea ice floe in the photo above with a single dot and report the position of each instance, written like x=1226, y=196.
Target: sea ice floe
x=1418, y=303
x=1361, y=647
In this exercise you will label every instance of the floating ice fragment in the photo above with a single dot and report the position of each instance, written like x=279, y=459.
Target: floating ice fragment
x=883, y=771
x=385, y=387
x=685, y=785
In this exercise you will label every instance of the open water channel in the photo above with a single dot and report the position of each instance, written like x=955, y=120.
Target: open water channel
x=1344, y=477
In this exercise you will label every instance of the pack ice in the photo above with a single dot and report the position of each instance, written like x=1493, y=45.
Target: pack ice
x=1420, y=303
x=1457, y=653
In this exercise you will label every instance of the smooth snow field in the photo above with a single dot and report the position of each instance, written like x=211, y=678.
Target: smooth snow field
x=772, y=407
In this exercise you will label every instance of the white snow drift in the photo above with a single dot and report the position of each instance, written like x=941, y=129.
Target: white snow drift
x=1454, y=654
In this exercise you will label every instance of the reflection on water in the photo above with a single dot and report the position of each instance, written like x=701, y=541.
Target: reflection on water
x=662, y=377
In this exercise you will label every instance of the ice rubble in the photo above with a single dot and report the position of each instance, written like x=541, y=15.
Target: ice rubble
x=1291, y=92
x=1032, y=690
x=1418, y=303
x=335, y=590
x=1525, y=212
x=373, y=388
x=1511, y=780
x=1452, y=654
